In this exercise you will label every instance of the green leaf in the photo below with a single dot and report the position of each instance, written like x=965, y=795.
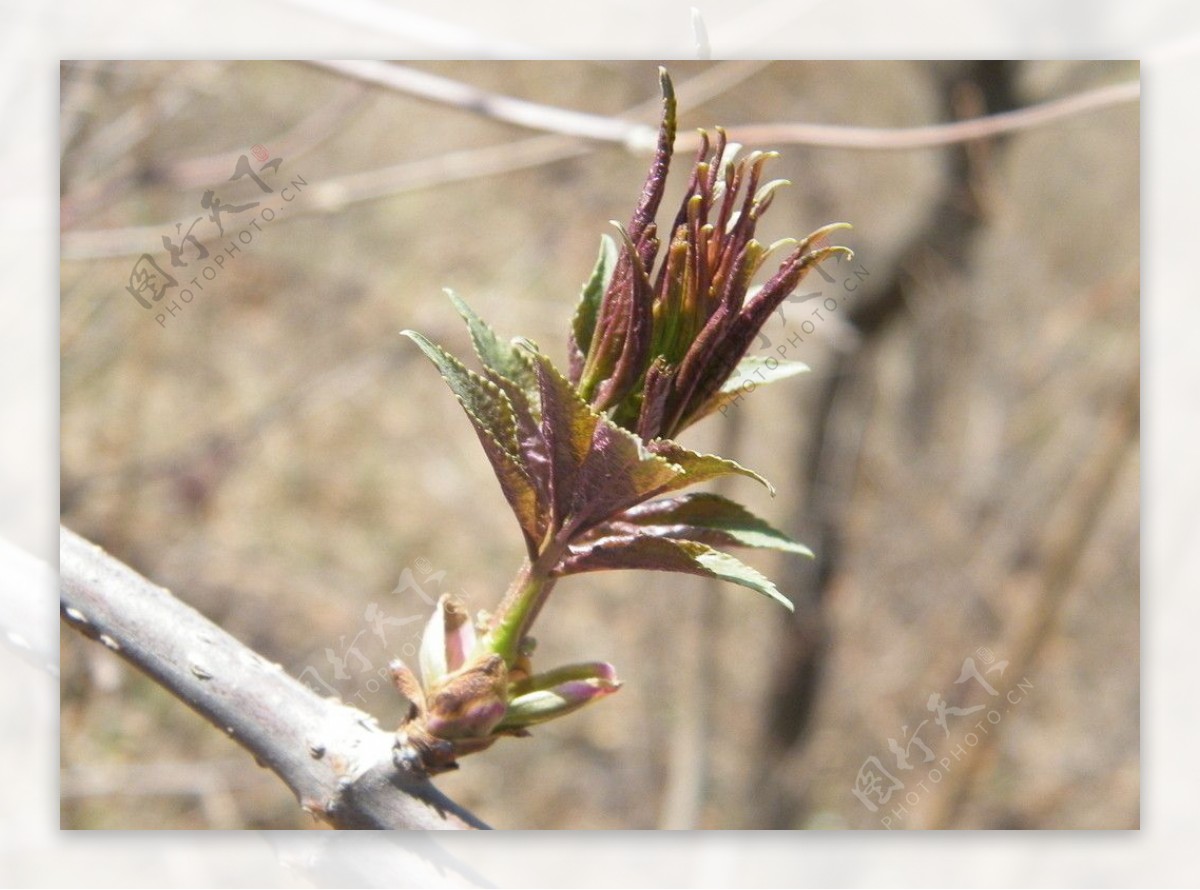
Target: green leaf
x=492, y=416
x=509, y=367
x=504, y=359
x=543, y=705
x=699, y=467
x=645, y=551
x=730, y=568
x=753, y=369
x=762, y=370
x=488, y=408
x=708, y=518
x=584, y=324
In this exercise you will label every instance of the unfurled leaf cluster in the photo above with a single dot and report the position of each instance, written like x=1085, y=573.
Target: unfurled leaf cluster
x=653, y=346
x=587, y=460
x=578, y=483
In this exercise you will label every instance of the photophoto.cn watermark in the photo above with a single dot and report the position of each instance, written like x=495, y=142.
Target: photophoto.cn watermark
x=357, y=665
x=913, y=770
x=196, y=257
x=814, y=310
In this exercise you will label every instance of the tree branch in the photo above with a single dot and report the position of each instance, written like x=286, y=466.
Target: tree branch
x=604, y=128
x=335, y=759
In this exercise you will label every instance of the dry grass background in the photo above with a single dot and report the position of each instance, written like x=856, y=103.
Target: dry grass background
x=968, y=472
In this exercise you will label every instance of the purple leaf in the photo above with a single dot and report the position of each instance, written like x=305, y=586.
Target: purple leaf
x=644, y=551
x=708, y=518
x=656, y=179
x=567, y=429
x=659, y=379
x=637, y=303
x=619, y=472
x=742, y=331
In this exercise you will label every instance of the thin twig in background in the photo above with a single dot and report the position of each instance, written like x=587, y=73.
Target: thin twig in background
x=624, y=128
x=551, y=119
x=194, y=173
x=296, y=141
x=334, y=195
x=933, y=135
x=114, y=143
x=112, y=150
x=79, y=84
x=333, y=757
x=522, y=113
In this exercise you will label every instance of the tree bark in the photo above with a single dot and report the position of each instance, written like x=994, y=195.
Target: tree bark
x=335, y=758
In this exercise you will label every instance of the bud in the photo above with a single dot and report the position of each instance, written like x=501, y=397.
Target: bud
x=656, y=337
x=448, y=639
x=468, y=704
x=558, y=692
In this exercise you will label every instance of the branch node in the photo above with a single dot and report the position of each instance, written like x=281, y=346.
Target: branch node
x=407, y=758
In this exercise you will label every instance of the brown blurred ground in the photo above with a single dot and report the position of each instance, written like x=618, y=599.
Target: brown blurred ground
x=278, y=457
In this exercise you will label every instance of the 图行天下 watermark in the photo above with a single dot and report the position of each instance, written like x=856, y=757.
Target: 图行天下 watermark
x=914, y=770
x=207, y=252
x=358, y=667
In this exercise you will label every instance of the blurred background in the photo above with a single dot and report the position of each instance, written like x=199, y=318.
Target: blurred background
x=963, y=458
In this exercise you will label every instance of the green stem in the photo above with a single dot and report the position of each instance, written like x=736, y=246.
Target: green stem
x=520, y=606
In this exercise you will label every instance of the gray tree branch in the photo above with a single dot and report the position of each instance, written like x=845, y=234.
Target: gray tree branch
x=335, y=759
